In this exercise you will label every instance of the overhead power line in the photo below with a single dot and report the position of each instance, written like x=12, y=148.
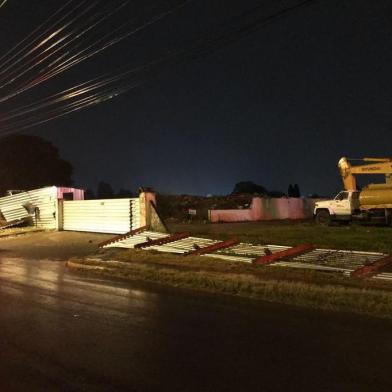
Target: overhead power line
x=62, y=46
x=108, y=86
x=30, y=40
x=46, y=54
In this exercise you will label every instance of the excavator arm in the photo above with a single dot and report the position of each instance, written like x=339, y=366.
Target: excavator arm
x=379, y=166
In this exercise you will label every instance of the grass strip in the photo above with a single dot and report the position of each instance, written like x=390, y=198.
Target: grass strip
x=330, y=293
x=352, y=237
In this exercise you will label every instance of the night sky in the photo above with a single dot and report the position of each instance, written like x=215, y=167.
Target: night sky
x=279, y=106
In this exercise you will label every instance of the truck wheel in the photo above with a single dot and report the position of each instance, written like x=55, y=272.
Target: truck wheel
x=323, y=217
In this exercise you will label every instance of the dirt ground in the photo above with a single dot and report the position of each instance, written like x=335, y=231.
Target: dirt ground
x=54, y=245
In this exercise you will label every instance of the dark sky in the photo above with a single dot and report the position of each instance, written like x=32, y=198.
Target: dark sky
x=279, y=106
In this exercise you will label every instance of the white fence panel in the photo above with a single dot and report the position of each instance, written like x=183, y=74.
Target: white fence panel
x=135, y=212
x=15, y=207
x=115, y=216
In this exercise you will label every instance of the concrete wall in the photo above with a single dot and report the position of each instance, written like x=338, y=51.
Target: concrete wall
x=267, y=209
x=145, y=198
x=78, y=194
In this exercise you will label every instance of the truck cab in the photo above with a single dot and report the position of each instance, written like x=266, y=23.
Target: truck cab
x=341, y=208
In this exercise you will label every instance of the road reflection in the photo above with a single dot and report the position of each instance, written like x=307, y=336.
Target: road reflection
x=49, y=282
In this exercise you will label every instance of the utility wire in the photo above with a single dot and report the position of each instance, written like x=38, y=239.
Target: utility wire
x=70, y=59
x=105, y=88
x=36, y=61
x=41, y=37
x=13, y=66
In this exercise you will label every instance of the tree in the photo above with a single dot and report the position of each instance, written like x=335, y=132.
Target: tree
x=276, y=194
x=30, y=162
x=297, y=192
x=104, y=191
x=126, y=193
x=248, y=187
x=89, y=194
x=293, y=191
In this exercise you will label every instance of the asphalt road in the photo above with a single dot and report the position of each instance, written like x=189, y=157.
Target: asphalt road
x=64, y=332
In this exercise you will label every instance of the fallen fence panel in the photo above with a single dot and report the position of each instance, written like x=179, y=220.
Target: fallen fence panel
x=284, y=254
x=214, y=247
x=373, y=268
x=42, y=203
x=184, y=246
x=338, y=258
x=303, y=256
x=139, y=238
x=161, y=241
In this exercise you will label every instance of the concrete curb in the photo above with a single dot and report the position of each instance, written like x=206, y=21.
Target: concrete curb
x=75, y=265
x=13, y=235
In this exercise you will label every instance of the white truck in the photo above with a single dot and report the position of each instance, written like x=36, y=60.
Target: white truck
x=341, y=208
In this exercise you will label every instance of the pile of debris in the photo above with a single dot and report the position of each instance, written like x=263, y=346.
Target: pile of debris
x=188, y=207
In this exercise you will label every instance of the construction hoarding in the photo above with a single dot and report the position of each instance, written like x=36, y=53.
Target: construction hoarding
x=116, y=216
x=38, y=207
x=64, y=208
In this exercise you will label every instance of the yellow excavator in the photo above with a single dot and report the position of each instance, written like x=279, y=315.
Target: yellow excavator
x=372, y=203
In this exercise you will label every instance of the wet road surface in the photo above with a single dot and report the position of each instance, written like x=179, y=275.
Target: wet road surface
x=62, y=331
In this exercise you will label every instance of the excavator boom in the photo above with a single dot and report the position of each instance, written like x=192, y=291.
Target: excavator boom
x=379, y=166
x=376, y=159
